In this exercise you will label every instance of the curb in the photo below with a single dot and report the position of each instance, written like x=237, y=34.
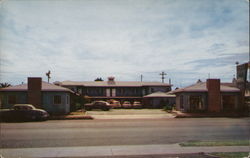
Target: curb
x=209, y=116
x=87, y=117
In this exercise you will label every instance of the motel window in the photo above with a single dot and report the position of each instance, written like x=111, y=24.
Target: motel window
x=67, y=99
x=136, y=90
x=57, y=99
x=181, y=102
x=100, y=91
x=12, y=99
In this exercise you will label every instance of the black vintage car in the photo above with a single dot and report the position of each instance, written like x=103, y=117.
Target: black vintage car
x=98, y=105
x=23, y=112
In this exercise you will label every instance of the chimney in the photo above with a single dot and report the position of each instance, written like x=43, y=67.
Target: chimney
x=34, y=91
x=111, y=80
x=214, y=97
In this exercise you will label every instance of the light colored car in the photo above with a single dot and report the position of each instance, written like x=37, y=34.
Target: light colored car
x=115, y=104
x=98, y=105
x=137, y=105
x=126, y=104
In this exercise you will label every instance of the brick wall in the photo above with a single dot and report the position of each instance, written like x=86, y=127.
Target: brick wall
x=34, y=91
x=214, y=97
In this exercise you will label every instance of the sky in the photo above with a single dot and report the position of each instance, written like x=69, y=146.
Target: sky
x=81, y=40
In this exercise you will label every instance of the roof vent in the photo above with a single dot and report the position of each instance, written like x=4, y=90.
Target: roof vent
x=57, y=83
x=199, y=81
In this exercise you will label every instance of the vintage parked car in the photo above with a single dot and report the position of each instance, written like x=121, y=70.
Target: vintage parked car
x=98, y=105
x=115, y=104
x=23, y=112
x=137, y=105
x=126, y=104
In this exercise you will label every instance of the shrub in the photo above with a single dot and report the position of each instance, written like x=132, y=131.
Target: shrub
x=168, y=108
x=78, y=106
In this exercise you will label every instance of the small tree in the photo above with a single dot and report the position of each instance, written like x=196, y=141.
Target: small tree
x=3, y=85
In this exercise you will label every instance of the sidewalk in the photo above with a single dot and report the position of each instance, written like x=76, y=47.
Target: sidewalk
x=125, y=150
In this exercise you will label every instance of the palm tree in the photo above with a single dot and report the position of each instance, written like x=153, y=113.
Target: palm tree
x=3, y=85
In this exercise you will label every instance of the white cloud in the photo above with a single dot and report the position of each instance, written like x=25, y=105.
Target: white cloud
x=82, y=40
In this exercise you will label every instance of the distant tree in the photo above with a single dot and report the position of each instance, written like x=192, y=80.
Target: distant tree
x=98, y=79
x=3, y=85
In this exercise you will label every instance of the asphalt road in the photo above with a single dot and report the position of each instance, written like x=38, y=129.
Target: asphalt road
x=66, y=133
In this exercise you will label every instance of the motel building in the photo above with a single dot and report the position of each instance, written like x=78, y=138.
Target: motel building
x=118, y=90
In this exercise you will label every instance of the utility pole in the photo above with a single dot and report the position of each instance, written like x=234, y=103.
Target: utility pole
x=141, y=77
x=163, y=76
x=48, y=75
x=236, y=63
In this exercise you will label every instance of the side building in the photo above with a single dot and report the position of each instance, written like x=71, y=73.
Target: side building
x=118, y=90
x=209, y=96
x=54, y=99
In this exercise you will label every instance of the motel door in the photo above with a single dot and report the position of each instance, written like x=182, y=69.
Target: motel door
x=228, y=102
x=110, y=92
x=195, y=103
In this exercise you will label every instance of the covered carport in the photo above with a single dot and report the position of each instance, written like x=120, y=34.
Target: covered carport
x=158, y=100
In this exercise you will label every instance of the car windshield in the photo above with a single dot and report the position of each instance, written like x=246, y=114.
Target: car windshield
x=21, y=108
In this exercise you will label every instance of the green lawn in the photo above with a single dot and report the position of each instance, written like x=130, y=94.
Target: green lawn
x=231, y=155
x=216, y=143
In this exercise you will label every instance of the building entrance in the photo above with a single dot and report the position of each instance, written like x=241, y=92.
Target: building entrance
x=196, y=103
x=228, y=103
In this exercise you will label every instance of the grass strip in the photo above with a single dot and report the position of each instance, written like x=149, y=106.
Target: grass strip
x=231, y=154
x=216, y=143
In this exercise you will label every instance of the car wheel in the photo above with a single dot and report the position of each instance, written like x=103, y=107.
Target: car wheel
x=33, y=118
x=105, y=109
x=88, y=108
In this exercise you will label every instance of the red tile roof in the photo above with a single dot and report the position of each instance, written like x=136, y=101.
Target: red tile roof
x=111, y=84
x=45, y=87
x=201, y=87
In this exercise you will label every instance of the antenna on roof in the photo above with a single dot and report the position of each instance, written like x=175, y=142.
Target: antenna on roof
x=48, y=75
x=163, y=76
x=141, y=77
